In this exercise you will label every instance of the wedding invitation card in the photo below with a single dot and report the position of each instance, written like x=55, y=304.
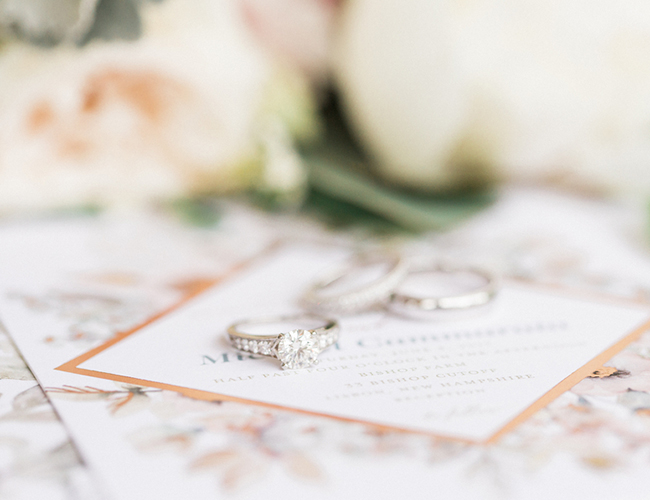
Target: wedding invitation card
x=467, y=377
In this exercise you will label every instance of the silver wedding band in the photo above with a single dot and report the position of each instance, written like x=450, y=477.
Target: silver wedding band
x=473, y=298
x=294, y=348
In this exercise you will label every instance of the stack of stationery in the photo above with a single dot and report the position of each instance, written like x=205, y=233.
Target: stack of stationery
x=141, y=392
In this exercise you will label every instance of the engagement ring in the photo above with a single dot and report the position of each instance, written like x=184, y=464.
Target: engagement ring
x=278, y=338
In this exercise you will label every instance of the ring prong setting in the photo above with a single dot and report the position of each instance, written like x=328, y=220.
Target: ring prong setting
x=298, y=349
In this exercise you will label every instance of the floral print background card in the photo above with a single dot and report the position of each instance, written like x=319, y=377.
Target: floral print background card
x=68, y=286
x=470, y=378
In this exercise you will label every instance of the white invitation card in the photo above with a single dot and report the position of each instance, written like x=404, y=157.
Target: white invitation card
x=469, y=376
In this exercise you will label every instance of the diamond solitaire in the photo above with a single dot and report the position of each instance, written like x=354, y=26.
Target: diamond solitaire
x=295, y=348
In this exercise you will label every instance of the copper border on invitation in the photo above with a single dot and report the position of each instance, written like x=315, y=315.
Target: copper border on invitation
x=72, y=366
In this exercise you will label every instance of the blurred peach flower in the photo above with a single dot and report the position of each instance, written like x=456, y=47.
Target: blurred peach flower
x=449, y=93
x=190, y=107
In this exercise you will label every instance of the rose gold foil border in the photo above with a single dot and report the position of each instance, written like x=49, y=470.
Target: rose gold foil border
x=72, y=366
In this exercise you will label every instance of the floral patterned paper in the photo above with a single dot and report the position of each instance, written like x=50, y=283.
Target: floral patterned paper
x=602, y=426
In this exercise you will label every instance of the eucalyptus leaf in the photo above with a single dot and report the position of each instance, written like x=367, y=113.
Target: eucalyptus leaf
x=415, y=212
x=200, y=212
x=116, y=20
x=46, y=22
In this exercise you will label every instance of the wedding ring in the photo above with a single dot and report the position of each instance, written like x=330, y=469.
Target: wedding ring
x=295, y=348
x=473, y=298
x=326, y=294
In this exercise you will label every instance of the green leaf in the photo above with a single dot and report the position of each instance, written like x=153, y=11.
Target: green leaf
x=200, y=212
x=411, y=211
x=115, y=20
x=339, y=214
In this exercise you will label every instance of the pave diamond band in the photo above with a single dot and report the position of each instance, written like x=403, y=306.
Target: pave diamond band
x=324, y=295
x=294, y=347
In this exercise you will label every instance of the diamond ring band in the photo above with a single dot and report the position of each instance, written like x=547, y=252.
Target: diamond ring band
x=363, y=283
x=293, y=347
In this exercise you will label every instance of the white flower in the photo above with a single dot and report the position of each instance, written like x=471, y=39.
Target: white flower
x=447, y=92
x=173, y=113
